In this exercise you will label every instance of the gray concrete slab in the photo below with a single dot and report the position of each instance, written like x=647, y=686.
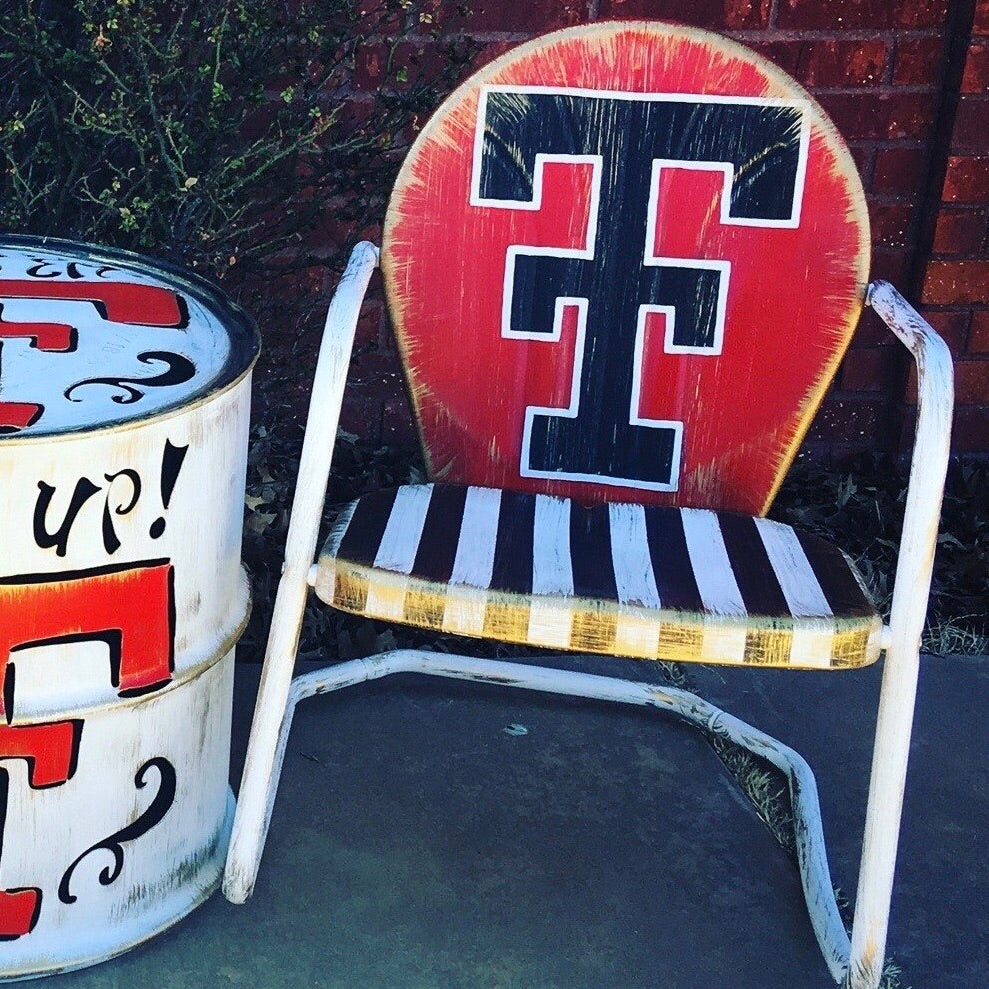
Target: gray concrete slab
x=416, y=843
x=941, y=894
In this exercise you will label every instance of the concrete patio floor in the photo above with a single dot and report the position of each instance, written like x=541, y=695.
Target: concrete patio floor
x=417, y=844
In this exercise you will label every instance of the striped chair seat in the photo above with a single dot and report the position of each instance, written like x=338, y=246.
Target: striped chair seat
x=626, y=580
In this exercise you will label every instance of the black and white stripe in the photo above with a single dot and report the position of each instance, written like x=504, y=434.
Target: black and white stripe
x=728, y=570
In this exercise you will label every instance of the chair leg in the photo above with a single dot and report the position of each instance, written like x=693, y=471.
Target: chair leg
x=882, y=820
x=257, y=788
x=266, y=748
x=929, y=463
x=812, y=856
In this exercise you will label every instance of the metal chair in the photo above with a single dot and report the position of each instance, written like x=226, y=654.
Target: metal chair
x=623, y=263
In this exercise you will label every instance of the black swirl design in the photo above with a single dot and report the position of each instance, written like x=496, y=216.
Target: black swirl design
x=158, y=808
x=180, y=370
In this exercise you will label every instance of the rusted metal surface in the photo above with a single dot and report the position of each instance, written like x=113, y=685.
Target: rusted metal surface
x=124, y=401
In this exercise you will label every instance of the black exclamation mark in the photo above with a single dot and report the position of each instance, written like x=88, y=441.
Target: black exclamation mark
x=171, y=464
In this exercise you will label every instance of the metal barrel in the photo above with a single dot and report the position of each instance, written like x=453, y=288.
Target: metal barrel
x=124, y=404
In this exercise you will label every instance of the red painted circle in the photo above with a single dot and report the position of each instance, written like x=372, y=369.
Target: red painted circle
x=794, y=295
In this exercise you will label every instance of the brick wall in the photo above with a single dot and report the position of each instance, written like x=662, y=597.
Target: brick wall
x=907, y=83
x=954, y=287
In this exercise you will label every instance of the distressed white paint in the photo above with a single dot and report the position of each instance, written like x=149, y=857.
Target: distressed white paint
x=552, y=569
x=811, y=852
x=339, y=528
x=464, y=612
x=929, y=464
x=811, y=647
x=796, y=576
x=635, y=635
x=400, y=542
x=104, y=348
x=116, y=453
x=635, y=580
x=263, y=762
x=168, y=871
x=552, y=573
x=857, y=962
x=474, y=561
x=710, y=563
x=202, y=532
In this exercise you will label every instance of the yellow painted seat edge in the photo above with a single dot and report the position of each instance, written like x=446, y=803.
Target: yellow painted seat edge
x=594, y=625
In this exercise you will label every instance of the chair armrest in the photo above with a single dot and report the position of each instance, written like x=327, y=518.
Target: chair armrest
x=325, y=402
x=929, y=462
x=911, y=589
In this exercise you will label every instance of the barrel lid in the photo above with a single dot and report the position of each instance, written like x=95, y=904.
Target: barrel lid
x=93, y=337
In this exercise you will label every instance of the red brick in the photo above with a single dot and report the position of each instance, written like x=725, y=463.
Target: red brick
x=891, y=264
x=970, y=433
x=370, y=66
x=952, y=327
x=976, y=77
x=910, y=115
x=378, y=16
x=866, y=115
x=955, y=282
x=856, y=115
x=981, y=22
x=892, y=226
x=396, y=68
x=376, y=372
x=960, y=232
x=899, y=171
x=842, y=63
x=919, y=13
x=356, y=416
x=785, y=54
x=919, y=62
x=870, y=369
x=490, y=51
x=397, y=422
x=910, y=390
x=746, y=14
x=972, y=382
x=531, y=17
x=971, y=131
x=871, y=330
x=725, y=15
x=443, y=16
x=864, y=156
x=967, y=179
x=369, y=326
x=836, y=15
x=978, y=335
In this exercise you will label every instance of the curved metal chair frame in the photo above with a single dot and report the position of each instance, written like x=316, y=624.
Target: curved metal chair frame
x=856, y=961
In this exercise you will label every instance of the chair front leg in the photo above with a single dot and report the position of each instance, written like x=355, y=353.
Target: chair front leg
x=263, y=763
x=910, y=595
